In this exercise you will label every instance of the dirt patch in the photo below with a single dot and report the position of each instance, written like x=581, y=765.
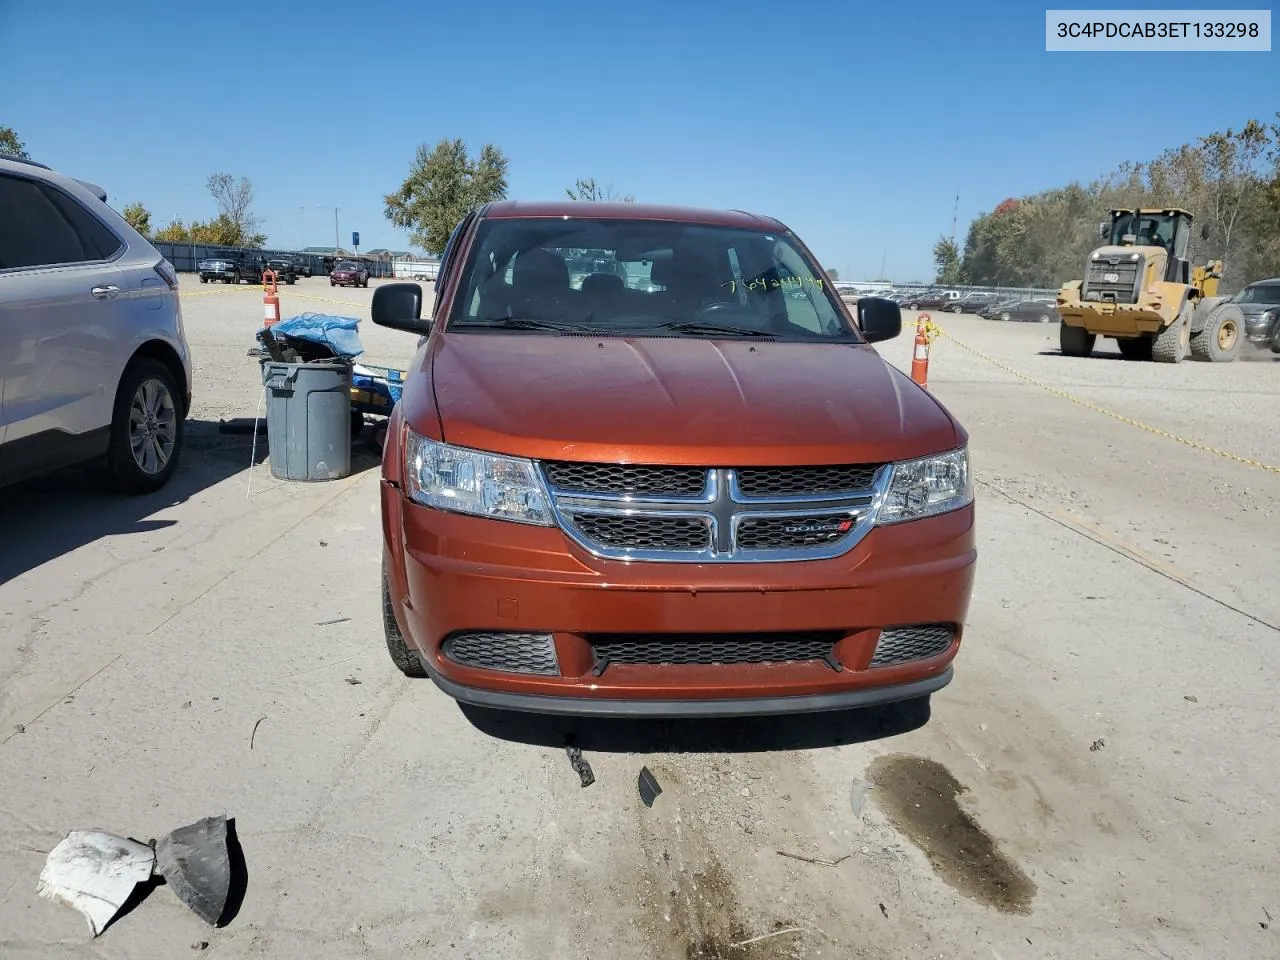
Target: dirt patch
x=920, y=797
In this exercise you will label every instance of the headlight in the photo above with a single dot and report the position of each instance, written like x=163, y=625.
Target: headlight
x=927, y=487
x=468, y=481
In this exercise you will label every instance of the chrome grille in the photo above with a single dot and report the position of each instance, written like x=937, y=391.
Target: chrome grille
x=716, y=648
x=716, y=515
x=906, y=644
x=1113, y=279
x=508, y=652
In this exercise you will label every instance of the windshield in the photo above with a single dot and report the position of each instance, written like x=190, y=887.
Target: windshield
x=1149, y=229
x=346, y=266
x=638, y=277
x=1260, y=293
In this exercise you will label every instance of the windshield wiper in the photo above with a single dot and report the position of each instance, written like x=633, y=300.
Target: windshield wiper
x=711, y=329
x=519, y=323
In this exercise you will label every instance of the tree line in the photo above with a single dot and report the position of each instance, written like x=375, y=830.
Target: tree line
x=1230, y=182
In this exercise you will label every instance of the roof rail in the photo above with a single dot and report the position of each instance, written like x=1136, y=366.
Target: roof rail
x=17, y=159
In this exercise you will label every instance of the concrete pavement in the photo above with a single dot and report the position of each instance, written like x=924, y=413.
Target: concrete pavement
x=1107, y=729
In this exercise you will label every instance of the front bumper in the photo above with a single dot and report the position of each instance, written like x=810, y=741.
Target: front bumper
x=451, y=574
x=1258, y=329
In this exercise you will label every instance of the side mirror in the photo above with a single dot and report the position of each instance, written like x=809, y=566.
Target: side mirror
x=879, y=319
x=1104, y=228
x=399, y=306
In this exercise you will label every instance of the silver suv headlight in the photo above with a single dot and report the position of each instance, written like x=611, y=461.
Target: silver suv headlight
x=927, y=487
x=469, y=481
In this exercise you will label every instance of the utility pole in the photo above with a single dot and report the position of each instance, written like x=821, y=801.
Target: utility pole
x=883, y=258
x=955, y=215
x=336, y=243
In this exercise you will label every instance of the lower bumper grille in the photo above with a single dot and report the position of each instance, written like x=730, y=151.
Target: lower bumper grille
x=508, y=652
x=906, y=644
x=715, y=648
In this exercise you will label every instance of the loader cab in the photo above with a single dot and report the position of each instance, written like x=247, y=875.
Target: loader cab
x=1168, y=229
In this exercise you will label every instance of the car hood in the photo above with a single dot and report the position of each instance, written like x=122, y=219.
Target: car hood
x=1257, y=309
x=681, y=400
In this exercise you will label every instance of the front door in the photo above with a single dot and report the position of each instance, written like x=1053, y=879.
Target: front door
x=63, y=308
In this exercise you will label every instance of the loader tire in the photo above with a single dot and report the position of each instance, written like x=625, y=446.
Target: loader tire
x=1135, y=348
x=1173, y=343
x=1223, y=333
x=1075, y=341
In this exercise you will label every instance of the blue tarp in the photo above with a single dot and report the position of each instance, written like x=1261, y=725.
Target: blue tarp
x=379, y=381
x=337, y=333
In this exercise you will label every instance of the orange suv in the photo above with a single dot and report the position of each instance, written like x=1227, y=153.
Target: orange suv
x=683, y=484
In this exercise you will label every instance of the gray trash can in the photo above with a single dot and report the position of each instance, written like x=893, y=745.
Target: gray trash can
x=308, y=419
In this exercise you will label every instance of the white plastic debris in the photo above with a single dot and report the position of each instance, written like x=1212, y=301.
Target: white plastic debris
x=96, y=873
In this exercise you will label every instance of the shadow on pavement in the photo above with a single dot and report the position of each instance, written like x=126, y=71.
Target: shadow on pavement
x=809, y=731
x=47, y=517
x=1096, y=355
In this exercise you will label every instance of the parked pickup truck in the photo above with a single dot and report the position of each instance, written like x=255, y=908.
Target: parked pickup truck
x=231, y=268
x=675, y=490
x=285, y=268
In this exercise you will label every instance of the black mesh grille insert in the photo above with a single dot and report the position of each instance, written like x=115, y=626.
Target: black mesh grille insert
x=780, y=533
x=905, y=644
x=713, y=648
x=621, y=479
x=800, y=481
x=1112, y=281
x=509, y=652
x=644, y=532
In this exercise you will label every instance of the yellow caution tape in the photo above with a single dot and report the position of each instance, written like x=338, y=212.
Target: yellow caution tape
x=1088, y=405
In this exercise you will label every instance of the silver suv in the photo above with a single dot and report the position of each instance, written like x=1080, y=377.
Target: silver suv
x=94, y=363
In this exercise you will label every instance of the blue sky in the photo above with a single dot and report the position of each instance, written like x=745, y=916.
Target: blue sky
x=853, y=123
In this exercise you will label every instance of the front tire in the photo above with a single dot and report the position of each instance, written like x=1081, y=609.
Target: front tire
x=1135, y=348
x=1222, y=336
x=401, y=655
x=1173, y=343
x=1076, y=341
x=146, y=429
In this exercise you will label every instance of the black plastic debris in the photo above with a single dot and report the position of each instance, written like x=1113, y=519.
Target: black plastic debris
x=194, y=863
x=649, y=787
x=580, y=765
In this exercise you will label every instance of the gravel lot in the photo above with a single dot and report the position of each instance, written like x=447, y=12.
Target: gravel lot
x=1093, y=783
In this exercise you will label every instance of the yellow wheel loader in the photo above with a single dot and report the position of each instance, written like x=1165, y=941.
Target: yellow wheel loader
x=1141, y=289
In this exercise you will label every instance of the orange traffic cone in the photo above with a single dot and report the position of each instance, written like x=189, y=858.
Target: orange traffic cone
x=920, y=359
x=270, y=299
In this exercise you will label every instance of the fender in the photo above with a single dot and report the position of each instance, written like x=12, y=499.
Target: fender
x=1205, y=307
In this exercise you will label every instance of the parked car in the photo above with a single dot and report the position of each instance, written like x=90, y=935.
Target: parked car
x=1036, y=310
x=971, y=302
x=932, y=300
x=720, y=501
x=94, y=363
x=349, y=274
x=231, y=267
x=991, y=310
x=1260, y=304
x=285, y=268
